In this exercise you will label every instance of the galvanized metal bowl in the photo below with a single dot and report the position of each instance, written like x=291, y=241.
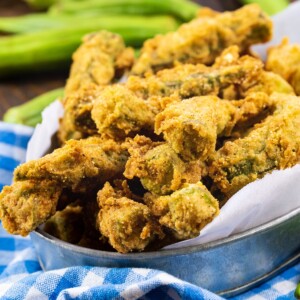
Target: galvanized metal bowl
x=228, y=266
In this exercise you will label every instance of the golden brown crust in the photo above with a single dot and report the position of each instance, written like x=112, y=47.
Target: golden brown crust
x=80, y=165
x=118, y=113
x=26, y=204
x=204, y=38
x=284, y=60
x=128, y=225
x=272, y=144
x=98, y=60
x=186, y=211
x=159, y=168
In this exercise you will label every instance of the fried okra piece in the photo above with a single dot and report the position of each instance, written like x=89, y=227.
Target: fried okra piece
x=76, y=223
x=118, y=113
x=79, y=165
x=269, y=83
x=189, y=80
x=100, y=59
x=128, y=225
x=159, y=167
x=192, y=126
x=257, y=81
x=186, y=211
x=77, y=122
x=284, y=60
x=124, y=110
x=26, y=204
x=117, y=109
x=67, y=225
x=203, y=39
x=274, y=143
x=249, y=111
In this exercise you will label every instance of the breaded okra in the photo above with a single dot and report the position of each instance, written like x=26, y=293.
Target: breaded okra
x=274, y=143
x=26, y=204
x=186, y=211
x=192, y=126
x=159, y=167
x=128, y=224
x=101, y=59
x=79, y=165
x=284, y=60
x=203, y=39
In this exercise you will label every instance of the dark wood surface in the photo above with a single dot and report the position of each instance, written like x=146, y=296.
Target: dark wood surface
x=18, y=90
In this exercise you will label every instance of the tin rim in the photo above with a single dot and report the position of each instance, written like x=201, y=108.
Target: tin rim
x=166, y=252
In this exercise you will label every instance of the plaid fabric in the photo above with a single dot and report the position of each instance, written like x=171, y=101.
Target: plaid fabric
x=13, y=144
x=21, y=276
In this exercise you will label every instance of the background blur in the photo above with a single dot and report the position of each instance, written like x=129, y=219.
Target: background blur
x=22, y=88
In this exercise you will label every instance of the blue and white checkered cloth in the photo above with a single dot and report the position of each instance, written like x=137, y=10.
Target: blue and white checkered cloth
x=21, y=276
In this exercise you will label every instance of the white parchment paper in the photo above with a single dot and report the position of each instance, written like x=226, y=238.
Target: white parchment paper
x=259, y=202
x=40, y=141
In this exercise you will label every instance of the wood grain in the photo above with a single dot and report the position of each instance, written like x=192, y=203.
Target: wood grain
x=20, y=89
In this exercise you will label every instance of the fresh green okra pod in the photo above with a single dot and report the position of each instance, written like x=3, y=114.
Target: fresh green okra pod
x=52, y=49
x=30, y=113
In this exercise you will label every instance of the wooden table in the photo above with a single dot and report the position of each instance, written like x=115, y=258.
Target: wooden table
x=18, y=90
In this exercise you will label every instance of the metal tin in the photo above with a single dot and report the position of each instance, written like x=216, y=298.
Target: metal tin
x=228, y=266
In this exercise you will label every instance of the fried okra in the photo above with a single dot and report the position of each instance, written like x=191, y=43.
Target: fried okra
x=26, y=204
x=128, y=225
x=100, y=60
x=79, y=165
x=192, y=126
x=186, y=211
x=119, y=113
x=284, y=60
x=203, y=39
x=274, y=143
x=67, y=225
x=158, y=166
x=189, y=80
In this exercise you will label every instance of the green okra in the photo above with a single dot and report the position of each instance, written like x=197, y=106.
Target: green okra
x=270, y=7
x=30, y=113
x=182, y=9
x=52, y=49
x=42, y=21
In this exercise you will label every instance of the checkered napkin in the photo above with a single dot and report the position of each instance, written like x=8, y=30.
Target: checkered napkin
x=21, y=276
